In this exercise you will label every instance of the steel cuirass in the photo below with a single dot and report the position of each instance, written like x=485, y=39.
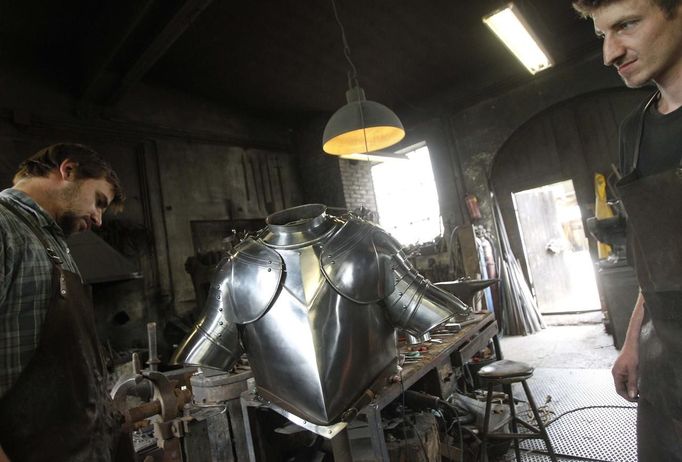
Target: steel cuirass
x=314, y=300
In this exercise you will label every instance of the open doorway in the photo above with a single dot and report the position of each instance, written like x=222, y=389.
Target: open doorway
x=556, y=249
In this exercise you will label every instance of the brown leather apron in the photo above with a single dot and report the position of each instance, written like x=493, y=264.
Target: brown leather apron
x=59, y=409
x=653, y=205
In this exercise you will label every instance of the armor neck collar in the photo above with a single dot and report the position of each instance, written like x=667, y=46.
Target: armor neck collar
x=298, y=225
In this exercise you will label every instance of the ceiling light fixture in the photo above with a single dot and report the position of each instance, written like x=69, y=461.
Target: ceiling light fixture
x=360, y=126
x=376, y=156
x=510, y=27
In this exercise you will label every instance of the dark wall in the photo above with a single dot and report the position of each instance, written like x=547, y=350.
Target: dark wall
x=203, y=182
x=319, y=173
x=180, y=159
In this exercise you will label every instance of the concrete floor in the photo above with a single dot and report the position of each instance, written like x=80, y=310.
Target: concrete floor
x=568, y=342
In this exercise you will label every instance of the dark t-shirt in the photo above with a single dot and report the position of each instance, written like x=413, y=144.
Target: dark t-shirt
x=660, y=150
x=661, y=147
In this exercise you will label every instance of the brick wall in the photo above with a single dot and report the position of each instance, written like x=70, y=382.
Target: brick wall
x=358, y=188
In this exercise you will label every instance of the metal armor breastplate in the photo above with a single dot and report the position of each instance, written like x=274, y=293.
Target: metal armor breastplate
x=329, y=332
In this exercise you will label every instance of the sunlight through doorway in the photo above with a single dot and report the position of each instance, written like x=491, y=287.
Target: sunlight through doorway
x=556, y=248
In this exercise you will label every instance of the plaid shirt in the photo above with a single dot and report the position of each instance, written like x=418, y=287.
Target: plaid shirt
x=25, y=282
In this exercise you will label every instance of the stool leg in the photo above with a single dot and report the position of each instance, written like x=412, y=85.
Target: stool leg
x=483, y=455
x=508, y=390
x=541, y=426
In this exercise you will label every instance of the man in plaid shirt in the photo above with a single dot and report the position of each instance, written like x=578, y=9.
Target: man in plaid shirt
x=52, y=376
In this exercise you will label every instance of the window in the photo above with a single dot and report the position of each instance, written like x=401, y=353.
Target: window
x=406, y=196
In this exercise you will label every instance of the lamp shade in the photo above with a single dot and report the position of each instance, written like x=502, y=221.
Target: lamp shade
x=361, y=126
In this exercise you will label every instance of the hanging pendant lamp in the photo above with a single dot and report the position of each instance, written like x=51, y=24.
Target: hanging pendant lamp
x=360, y=126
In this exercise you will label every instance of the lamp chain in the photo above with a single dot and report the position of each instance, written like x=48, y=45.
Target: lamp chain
x=353, y=74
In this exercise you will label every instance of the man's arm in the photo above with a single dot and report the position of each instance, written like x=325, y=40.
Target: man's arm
x=625, y=369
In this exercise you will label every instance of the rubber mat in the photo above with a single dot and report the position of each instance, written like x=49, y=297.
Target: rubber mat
x=596, y=434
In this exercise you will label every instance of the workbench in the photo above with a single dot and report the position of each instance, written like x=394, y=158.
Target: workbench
x=455, y=350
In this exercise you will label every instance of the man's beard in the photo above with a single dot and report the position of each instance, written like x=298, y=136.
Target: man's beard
x=68, y=222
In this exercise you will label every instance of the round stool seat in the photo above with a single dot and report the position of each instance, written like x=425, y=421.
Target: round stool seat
x=505, y=370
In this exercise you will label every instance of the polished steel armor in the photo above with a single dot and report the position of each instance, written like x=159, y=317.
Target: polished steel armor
x=314, y=300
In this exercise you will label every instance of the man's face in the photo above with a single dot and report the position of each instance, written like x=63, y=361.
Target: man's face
x=641, y=41
x=82, y=204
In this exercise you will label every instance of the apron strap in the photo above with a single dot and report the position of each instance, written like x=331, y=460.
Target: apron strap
x=640, y=129
x=56, y=259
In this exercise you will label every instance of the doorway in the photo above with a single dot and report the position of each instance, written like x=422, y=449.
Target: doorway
x=556, y=249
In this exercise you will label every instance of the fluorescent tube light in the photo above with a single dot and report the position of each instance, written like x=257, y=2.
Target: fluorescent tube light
x=510, y=26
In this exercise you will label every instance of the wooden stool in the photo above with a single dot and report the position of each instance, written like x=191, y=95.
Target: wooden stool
x=505, y=373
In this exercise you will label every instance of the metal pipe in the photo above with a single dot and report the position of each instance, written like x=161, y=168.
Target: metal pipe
x=153, y=352
x=144, y=411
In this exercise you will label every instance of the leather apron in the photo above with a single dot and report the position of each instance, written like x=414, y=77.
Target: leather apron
x=653, y=204
x=59, y=408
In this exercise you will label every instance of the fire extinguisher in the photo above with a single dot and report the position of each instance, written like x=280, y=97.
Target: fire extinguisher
x=471, y=202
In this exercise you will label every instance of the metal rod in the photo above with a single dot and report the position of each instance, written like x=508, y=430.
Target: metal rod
x=153, y=352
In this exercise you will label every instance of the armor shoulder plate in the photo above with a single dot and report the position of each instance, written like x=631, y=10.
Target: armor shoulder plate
x=418, y=306
x=356, y=261
x=247, y=282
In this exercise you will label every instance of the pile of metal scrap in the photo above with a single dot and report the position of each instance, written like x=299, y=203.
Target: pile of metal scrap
x=520, y=313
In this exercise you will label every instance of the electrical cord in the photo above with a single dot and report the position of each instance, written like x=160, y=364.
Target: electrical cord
x=571, y=411
x=459, y=429
x=439, y=414
x=604, y=406
x=353, y=75
x=421, y=443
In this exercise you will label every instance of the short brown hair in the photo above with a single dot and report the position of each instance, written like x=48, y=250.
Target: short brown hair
x=90, y=165
x=587, y=7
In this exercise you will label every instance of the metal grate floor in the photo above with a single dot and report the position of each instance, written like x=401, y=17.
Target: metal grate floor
x=601, y=434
